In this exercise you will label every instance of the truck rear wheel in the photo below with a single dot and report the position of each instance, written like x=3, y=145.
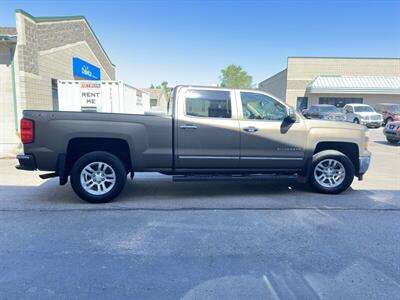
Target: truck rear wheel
x=98, y=177
x=332, y=172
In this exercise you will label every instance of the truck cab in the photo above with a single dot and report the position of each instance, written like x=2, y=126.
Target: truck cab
x=236, y=129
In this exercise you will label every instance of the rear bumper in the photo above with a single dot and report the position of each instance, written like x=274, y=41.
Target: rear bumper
x=26, y=162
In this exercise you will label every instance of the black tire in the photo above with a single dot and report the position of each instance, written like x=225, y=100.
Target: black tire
x=340, y=157
x=356, y=121
x=98, y=156
x=392, y=141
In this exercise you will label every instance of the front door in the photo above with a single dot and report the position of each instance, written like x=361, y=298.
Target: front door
x=268, y=139
x=207, y=129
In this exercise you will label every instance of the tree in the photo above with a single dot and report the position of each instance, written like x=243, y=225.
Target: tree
x=235, y=77
x=152, y=86
x=164, y=85
x=164, y=88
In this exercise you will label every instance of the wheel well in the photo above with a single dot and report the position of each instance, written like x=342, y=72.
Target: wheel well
x=349, y=149
x=80, y=146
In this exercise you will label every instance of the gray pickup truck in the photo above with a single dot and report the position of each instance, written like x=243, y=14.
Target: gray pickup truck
x=208, y=134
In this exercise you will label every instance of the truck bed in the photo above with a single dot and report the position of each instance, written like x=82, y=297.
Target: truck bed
x=149, y=137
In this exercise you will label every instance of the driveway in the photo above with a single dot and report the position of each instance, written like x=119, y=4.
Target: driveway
x=209, y=240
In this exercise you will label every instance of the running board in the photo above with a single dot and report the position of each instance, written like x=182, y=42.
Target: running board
x=231, y=177
x=48, y=175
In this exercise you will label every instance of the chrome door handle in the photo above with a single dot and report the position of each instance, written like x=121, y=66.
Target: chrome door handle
x=188, y=126
x=250, y=129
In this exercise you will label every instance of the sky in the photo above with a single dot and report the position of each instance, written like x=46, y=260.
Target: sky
x=189, y=42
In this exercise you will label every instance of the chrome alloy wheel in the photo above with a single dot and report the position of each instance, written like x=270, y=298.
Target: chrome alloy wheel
x=329, y=173
x=98, y=178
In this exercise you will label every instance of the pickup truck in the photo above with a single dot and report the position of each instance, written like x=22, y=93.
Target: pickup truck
x=208, y=133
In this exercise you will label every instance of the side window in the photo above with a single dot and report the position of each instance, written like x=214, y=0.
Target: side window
x=208, y=104
x=261, y=107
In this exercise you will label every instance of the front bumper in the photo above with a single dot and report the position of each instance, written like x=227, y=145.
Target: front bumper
x=372, y=123
x=364, y=162
x=26, y=162
x=392, y=135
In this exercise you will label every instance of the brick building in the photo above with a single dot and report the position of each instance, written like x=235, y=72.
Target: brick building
x=336, y=81
x=34, y=55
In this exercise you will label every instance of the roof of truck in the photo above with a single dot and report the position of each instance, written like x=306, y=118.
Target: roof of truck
x=357, y=104
x=228, y=88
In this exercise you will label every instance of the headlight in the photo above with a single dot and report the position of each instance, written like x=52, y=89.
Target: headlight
x=396, y=117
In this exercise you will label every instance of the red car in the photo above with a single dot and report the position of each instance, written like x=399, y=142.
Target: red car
x=389, y=111
x=392, y=132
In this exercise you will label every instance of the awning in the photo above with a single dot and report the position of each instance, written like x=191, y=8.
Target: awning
x=355, y=85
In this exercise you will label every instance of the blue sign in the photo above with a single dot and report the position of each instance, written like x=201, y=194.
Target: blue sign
x=85, y=70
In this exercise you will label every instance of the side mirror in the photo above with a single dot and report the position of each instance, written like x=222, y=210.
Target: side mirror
x=291, y=114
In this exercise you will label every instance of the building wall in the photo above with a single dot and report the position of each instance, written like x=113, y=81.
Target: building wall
x=301, y=71
x=275, y=85
x=45, y=51
x=369, y=99
x=8, y=133
x=55, y=64
x=8, y=31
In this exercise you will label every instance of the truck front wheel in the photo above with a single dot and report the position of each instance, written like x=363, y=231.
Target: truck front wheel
x=332, y=172
x=98, y=177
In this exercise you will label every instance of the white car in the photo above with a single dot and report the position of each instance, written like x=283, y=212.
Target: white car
x=363, y=114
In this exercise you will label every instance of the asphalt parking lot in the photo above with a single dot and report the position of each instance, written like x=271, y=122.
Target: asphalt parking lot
x=203, y=240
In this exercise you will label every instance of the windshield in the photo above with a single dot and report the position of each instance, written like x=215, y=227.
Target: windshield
x=328, y=109
x=394, y=108
x=363, y=109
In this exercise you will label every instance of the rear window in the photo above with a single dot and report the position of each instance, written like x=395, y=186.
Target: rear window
x=208, y=104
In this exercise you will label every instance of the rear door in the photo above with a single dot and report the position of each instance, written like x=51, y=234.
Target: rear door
x=207, y=129
x=268, y=139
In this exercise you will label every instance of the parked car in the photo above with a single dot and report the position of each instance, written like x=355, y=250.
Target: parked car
x=389, y=111
x=363, y=114
x=324, y=112
x=209, y=133
x=392, y=132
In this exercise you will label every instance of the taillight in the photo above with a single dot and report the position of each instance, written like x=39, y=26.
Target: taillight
x=26, y=131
